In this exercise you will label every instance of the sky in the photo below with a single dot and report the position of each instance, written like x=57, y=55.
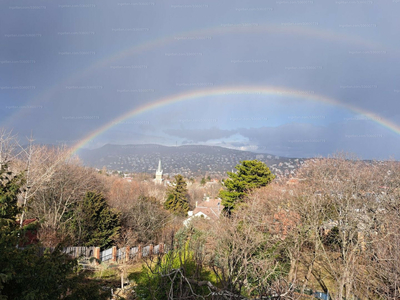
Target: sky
x=67, y=69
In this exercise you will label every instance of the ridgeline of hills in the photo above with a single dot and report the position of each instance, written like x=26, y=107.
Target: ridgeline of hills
x=188, y=160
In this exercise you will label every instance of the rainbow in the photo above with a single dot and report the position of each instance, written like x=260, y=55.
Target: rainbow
x=232, y=90
x=223, y=29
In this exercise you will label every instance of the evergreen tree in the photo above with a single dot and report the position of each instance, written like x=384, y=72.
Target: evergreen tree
x=10, y=186
x=251, y=174
x=203, y=181
x=9, y=189
x=177, y=199
x=94, y=223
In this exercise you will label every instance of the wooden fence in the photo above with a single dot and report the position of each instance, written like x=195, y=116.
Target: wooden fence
x=113, y=254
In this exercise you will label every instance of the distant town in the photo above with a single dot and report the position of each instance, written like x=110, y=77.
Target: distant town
x=190, y=161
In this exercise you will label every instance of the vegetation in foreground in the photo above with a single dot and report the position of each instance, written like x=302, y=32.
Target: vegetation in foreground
x=25, y=274
x=335, y=228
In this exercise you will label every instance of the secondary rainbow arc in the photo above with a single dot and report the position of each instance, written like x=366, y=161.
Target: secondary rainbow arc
x=220, y=30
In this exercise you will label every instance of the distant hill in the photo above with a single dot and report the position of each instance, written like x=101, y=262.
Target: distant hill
x=188, y=160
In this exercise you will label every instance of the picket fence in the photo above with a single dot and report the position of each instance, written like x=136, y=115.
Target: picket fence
x=113, y=254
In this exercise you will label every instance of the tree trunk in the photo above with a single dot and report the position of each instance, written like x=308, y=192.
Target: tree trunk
x=292, y=271
x=122, y=280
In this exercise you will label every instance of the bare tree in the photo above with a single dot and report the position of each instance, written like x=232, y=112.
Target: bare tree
x=39, y=164
x=143, y=222
x=196, y=194
x=8, y=146
x=381, y=273
x=244, y=250
x=212, y=189
x=55, y=198
x=338, y=211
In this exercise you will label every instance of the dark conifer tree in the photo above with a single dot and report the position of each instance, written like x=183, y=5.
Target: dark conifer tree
x=177, y=199
x=251, y=174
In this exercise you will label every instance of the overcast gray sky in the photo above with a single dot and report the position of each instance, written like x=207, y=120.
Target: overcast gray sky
x=68, y=68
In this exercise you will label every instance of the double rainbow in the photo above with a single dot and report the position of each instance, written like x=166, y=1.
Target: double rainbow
x=233, y=90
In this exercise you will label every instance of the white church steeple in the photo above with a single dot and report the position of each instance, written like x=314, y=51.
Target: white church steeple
x=159, y=173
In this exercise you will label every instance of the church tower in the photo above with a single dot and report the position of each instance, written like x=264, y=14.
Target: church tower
x=159, y=172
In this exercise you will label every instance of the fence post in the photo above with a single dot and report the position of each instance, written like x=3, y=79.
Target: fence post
x=96, y=254
x=114, y=254
x=151, y=247
x=127, y=251
x=140, y=252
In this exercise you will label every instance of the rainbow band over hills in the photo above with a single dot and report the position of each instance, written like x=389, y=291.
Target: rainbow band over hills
x=232, y=90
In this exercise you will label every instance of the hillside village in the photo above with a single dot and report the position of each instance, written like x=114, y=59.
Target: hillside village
x=188, y=161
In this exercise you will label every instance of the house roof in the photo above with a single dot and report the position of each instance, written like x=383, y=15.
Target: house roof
x=210, y=208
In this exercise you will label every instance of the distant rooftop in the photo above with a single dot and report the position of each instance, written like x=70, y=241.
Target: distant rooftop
x=212, y=208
